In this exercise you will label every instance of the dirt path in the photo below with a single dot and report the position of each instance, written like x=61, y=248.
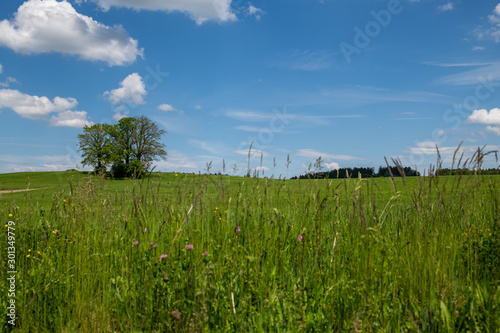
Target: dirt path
x=26, y=190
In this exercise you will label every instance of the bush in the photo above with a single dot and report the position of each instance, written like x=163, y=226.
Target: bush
x=121, y=170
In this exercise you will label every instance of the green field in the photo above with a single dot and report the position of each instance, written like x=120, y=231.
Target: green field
x=218, y=253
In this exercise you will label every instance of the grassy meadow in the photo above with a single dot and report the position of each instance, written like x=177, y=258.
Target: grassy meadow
x=193, y=253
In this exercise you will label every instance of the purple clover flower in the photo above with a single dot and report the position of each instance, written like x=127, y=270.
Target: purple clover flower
x=300, y=238
x=189, y=247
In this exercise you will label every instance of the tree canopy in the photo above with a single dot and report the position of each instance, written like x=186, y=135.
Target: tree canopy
x=130, y=146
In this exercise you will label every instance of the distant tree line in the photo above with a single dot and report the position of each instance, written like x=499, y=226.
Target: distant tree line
x=365, y=172
x=129, y=147
x=465, y=171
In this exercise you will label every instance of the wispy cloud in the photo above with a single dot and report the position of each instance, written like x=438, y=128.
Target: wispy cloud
x=311, y=153
x=489, y=72
x=306, y=60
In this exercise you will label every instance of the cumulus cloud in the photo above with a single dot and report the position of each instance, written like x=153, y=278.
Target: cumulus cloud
x=131, y=91
x=257, y=12
x=199, y=10
x=493, y=129
x=492, y=30
x=483, y=117
x=52, y=26
x=68, y=118
x=35, y=107
x=332, y=166
x=169, y=108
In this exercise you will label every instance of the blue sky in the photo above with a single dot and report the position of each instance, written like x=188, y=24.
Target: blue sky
x=350, y=81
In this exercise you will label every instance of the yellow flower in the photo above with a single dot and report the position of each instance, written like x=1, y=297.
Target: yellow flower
x=175, y=175
x=64, y=200
x=39, y=252
x=216, y=208
x=466, y=234
x=225, y=211
x=6, y=225
x=28, y=256
x=54, y=232
x=10, y=215
x=29, y=250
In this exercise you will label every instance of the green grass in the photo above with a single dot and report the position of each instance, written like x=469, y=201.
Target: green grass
x=425, y=258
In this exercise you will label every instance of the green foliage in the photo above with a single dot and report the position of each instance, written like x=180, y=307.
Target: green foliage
x=96, y=146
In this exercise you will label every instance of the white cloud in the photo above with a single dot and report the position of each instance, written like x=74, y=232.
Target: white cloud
x=204, y=145
x=77, y=119
x=177, y=161
x=484, y=117
x=254, y=152
x=493, y=129
x=315, y=154
x=491, y=31
x=132, y=89
x=306, y=60
x=478, y=48
x=446, y=7
x=169, y=108
x=33, y=107
x=1, y=68
x=332, y=166
x=257, y=12
x=119, y=115
x=473, y=77
x=262, y=168
x=52, y=26
x=198, y=107
x=166, y=107
x=199, y=10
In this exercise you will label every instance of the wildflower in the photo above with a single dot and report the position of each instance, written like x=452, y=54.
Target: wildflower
x=29, y=250
x=136, y=242
x=180, y=229
x=156, y=245
x=176, y=314
x=216, y=208
x=55, y=231
x=28, y=256
x=10, y=215
x=205, y=253
x=237, y=229
x=225, y=211
x=38, y=252
x=64, y=200
x=466, y=234
x=151, y=243
x=176, y=175
x=189, y=247
x=163, y=256
x=145, y=229
x=300, y=238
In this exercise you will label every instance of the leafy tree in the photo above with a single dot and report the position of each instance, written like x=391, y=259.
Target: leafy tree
x=123, y=139
x=96, y=146
x=131, y=145
x=146, y=142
